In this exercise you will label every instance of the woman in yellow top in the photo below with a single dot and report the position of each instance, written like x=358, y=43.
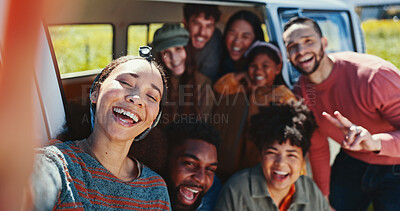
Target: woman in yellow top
x=241, y=95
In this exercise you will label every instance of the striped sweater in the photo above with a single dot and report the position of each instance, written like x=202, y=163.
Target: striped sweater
x=67, y=178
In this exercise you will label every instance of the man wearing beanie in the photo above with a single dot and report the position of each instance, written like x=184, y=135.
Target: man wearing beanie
x=205, y=40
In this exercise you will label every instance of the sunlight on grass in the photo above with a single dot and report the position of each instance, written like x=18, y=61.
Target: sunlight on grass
x=382, y=39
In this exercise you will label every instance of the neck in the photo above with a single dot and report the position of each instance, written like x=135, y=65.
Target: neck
x=113, y=155
x=278, y=196
x=323, y=71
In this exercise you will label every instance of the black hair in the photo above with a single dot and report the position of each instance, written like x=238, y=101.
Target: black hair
x=281, y=122
x=303, y=20
x=179, y=131
x=190, y=10
x=250, y=18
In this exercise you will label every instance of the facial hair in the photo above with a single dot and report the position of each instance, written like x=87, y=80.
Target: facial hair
x=321, y=54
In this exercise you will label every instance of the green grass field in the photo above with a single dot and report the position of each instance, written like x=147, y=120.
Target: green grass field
x=382, y=39
x=80, y=48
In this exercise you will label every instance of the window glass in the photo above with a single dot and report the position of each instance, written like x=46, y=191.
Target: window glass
x=82, y=47
x=137, y=36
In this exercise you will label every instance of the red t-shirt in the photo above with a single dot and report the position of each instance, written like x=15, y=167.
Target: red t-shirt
x=366, y=90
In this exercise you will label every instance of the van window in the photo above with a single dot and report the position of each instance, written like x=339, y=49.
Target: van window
x=139, y=35
x=82, y=47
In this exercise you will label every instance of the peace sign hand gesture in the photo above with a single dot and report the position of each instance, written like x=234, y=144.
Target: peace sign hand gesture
x=356, y=137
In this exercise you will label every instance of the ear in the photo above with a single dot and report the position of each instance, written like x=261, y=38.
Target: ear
x=94, y=96
x=185, y=23
x=324, y=42
x=279, y=69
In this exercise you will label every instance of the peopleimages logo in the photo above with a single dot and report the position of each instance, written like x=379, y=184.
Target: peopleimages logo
x=205, y=96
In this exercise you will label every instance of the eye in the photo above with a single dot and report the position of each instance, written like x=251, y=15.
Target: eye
x=292, y=156
x=189, y=164
x=270, y=153
x=125, y=83
x=152, y=98
x=211, y=170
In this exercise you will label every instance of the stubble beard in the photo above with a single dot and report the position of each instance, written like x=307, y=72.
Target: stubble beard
x=321, y=55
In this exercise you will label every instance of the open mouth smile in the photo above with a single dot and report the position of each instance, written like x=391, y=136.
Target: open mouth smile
x=280, y=175
x=125, y=117
x=189, y=194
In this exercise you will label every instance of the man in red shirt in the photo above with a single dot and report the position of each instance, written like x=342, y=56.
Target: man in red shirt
x=356, y=101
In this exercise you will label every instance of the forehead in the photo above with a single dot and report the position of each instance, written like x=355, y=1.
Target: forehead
x=262, y=57
x=241, y=24
x=141, y=68
x=199, y=148
x=202, y=17
x=284, y=146
x=299, y=30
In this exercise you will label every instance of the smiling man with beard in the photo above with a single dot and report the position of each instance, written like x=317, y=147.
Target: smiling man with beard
x=346, y=90
x=191, y=164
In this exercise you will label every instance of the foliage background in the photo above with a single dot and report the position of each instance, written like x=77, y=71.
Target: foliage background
x=88, y=47
x=382, y=39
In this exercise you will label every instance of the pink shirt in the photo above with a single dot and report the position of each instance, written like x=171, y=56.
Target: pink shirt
x=366, y=90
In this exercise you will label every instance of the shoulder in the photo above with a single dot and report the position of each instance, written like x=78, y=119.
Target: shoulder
x=240, y=180
x=361, y=62
x=305, y=186
x=150, y=177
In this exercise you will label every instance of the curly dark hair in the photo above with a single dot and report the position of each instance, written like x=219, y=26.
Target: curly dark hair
x=190, y=10
x=179, y=131
x=280, y=122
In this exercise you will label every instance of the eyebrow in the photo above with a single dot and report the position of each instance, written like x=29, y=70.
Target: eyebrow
x=288, y=150
x=152, y=85
x=197, y=159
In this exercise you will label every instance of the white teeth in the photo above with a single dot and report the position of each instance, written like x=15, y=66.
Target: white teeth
x=259, y=78
x=305, y=58
x=200, y=39
x=176, y=64
x=236, y=48
x=281, y=172
x=126, y=113
x=191, y=190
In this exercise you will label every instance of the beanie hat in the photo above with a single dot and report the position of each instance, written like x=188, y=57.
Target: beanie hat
x=169, y=35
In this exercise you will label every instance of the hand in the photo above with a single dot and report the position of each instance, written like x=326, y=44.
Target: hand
x=356, y=137
x=327, y=199
x=243, y=77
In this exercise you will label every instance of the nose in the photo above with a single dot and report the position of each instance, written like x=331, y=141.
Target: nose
x=202, y=31
x=300, y=49
x=278, y=160
x=135, y=99
x=200, y=176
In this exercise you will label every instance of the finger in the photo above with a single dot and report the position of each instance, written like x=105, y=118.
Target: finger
x=345, y=144
x=351, y=135
x=356, y=145
x=335, y=122
x=343, y=120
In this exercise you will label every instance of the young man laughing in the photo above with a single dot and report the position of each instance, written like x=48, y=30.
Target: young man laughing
x=191, y=165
